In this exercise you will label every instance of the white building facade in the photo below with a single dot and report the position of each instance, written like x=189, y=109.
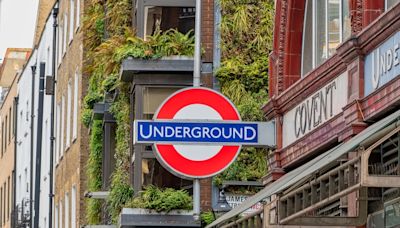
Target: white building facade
x=42, y=59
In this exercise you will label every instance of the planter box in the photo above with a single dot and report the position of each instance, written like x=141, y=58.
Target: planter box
x=170, y=66
x=140, y=218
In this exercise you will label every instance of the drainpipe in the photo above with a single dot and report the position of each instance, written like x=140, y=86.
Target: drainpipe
x=39, y=144
x=52, y=137
x=196, y=83
x=31, y=161
x=15, y=214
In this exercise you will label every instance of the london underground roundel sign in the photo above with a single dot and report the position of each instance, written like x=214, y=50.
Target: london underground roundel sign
x=196, y=160
x=197, y=133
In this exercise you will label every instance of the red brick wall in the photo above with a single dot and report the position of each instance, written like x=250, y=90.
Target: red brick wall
x=207, y=28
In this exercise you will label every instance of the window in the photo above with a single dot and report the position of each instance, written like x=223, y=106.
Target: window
x=56, y=216
x=69, y=100
x=1, y=205
x=73, y=207
x=165, y=15
x=71, y=19
x=60, y=41
x=78, y=13
x=58, y=128
x=326, y=25
x=65, y=33
x=8, y=198
x=5, y=135
x=9, y=125
x=62, y=125
x=60, y=215
x=390, y=3
x=4, y=202
x=75, y=117
x=66, y=211
x=2, y=139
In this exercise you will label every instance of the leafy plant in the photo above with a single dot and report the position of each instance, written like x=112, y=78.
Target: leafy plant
x=246, y=39
x=94, y=171
x=162, y=200
x=110, y=83
x=207, y=217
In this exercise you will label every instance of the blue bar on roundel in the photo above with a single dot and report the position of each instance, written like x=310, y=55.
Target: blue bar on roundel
x=196, y=132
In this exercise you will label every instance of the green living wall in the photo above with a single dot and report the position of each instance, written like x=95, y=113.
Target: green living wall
x=246, y=30
x=246, y=41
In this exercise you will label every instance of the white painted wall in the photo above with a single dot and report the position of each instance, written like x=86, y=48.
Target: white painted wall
x=17, y=24
x=43, y=53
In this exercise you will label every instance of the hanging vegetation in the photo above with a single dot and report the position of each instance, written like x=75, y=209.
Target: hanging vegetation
x=94, y=171
x=109, y=39
x=164, y=200
x=246, y=39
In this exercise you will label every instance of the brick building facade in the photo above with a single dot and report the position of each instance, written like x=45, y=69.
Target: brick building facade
x=71, y=145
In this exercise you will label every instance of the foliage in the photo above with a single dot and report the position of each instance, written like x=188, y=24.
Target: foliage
x=120, y=194
x=246, y=39
x=110, y=83
x=94, y=171
x=207, y=217
x=251, y=163
x=121, y=191
x=156, y=46
x=162, y=200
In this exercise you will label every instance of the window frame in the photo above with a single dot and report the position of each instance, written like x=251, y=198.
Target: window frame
x=69, y=110
x=142, y=4
x=386, y=5
x=62, y=129
x=71, y=20
x=78, y=15
x=75, y=107
x=314, y=24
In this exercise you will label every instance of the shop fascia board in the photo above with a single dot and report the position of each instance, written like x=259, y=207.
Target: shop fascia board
x=381, y=127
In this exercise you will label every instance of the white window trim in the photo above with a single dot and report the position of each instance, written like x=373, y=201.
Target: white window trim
x=60, y=42
x=76, y=106
x=62, y=126
x=69, y=106
x=71, y=20
x=56, y=216
x=58, y=129
x=65, y=33
x=66, y=211
x=78, y=15
x=73, y=207
x=60, y=214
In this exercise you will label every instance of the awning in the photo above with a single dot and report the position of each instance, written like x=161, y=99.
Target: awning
x=365, y=138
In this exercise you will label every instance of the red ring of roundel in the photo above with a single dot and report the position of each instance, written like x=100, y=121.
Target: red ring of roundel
x=168, y=153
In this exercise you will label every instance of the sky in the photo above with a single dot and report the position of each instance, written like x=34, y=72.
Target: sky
x=17, y=24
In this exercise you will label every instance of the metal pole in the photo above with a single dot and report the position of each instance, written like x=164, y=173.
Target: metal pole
x=39, y=142
x=14, y=198
x=197, y=50
x=32, y=145
x=52, y=137
x=196, y=83
x=196, y=199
